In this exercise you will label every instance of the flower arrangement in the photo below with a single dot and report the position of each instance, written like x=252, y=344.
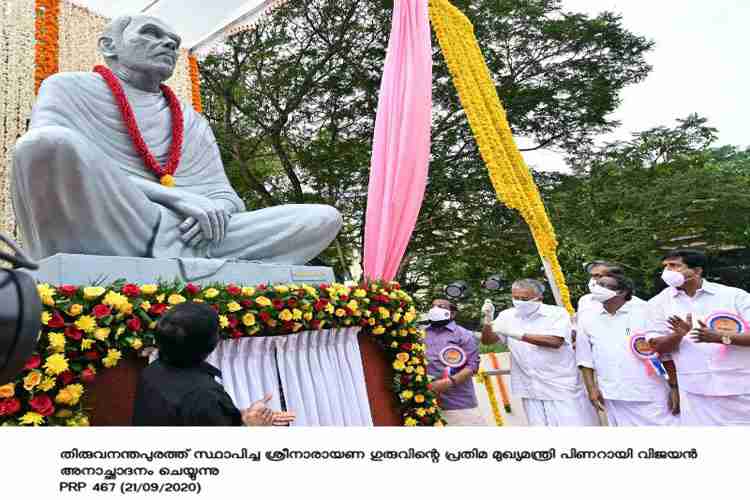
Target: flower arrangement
x=195, y=83
x=87, y=329
x=46, y=50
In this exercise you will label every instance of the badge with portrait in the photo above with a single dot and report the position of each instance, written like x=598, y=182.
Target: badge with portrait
x=642, y=350
x=453, y=358
x=727, y=323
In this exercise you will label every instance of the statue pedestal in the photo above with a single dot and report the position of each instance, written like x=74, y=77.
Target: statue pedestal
x=82, y=270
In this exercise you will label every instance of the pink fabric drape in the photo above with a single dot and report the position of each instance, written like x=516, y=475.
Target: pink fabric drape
x=401, y=146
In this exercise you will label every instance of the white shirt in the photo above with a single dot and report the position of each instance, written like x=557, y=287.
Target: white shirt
x=587, y=304
x=603, y=344
x=708, y=369
x=540, y=372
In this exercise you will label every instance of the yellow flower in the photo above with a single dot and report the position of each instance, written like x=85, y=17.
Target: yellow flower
x=403, y=357
x=126, y=308
x=378, y=330
x=56, y=364
x=149, y=289
x=396, y=317
x=146, y=305
x=93, y=292
x=421, y=411
x=409, y=369
x=286, y=315
x=200, y=301
x=56, y=341
x=47, y=384
x=353, y=305
x=410, y=316
x=406, y=395
x=394, y=344
x=175, y=299
x=248, y=291
x=384, y=313
x=419, y=399
x=120, y=331
x=420, y=370
x=69, y=395
x=340, y=312
x=263, y=301
x=281, y=289
x=8, y=390
x=115, y=299
x=31, y=418
x=86, y=344
x=296, y=314
x=160, y=297
x=398, y=365
x=46, y=293
x=46, y=317
x=79, y=421
x=248, y=319
x=136, y=344
x=102, y=333
x=329, y=308
x=167, y=181
x=371, y=321
x=233, y=307
x=64, y=413
x=86, y=323
x=360, y=293
x=112, y=357
x=410, y=422
x=75, y=310
x=308, y=316
x=210, y=293
x=223, y=321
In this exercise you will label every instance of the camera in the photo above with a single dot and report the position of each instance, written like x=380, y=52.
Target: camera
x=20, y=312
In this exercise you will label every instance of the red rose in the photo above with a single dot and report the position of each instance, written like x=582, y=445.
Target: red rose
x=323, y=286
x=68, y=290
x=131, y=290
x=349, y=312
x=406, y=347
x=56, y=321
x=233, y=321
x=344, y=298
x=236, y=334
x=158, y=309
x=192, y=289
x=277, y=304
x=9, y=406
x=102, y=311
x=73, y=333
x=88, y=375
x=264, y=316
x=247, y=304
x=234, y=290
x=321, y=304
x=363, y=322
x=66, y=377
x=42, y=404
x=91, y=355
x=373, y=309
x=396, y=286
x=262, y=286
x=33, y=362
x=315, y=324
x=73, y=355
x=134, y=324
x=291, y=302
x=425, y=420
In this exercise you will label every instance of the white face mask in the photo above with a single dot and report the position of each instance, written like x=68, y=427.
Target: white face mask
x=673, y=278
x=601, y=294
x=592, y=284
x=526, y=307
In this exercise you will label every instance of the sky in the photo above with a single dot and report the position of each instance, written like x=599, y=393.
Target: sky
x=701, y=64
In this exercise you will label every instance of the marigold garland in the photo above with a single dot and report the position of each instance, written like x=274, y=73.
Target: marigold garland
x=46, y=50
x=509, y=174
x=86, y=329
x=485, y=379
x=195, y=83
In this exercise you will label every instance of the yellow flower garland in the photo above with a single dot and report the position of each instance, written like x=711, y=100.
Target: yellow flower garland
x=509, y=173
x=485, y=379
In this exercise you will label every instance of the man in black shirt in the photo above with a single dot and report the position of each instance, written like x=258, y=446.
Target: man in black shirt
x=181, y=388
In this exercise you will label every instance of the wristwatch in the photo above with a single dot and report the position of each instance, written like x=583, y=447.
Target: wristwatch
x=726, y=340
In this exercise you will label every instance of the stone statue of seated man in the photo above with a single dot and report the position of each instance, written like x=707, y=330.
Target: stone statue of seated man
x=81, y=186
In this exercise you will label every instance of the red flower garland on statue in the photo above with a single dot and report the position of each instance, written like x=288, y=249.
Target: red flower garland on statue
x=164, y=173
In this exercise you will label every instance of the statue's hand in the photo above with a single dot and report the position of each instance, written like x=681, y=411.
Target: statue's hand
x=207, y=220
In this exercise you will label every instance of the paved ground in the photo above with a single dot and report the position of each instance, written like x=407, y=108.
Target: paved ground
x=517, y=416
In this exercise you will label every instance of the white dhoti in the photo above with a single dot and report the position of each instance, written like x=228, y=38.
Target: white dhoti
x=467, y=417
x=576, y=412
x=699, y=409
x=639, y=413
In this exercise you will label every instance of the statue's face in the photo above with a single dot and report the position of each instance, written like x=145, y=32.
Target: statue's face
x=148, y=45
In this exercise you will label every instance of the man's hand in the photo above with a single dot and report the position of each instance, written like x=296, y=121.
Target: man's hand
x=283, y=418
x=258, y=414
x=596, y=398
x=680, y=326
x=442, y=385
x=674, y=400
x=704, y=334
x=206, y=220
x=488, y=311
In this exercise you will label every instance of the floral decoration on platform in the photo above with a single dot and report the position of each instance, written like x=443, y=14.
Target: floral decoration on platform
x=88, y=329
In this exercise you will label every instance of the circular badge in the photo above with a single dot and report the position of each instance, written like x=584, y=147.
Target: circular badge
x=641, y=347
x=727, y=323
x=453, y=356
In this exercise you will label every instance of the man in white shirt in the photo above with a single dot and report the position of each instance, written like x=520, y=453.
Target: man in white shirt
x=704, y=326
x=616, y=379
x=597, y=270
x=543, y=369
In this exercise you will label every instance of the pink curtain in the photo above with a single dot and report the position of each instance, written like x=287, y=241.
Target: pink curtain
x=401, y=146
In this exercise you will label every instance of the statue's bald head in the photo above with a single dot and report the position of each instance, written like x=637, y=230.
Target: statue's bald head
x=140, y=43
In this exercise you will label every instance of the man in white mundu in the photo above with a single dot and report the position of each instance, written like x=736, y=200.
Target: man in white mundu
x=618, y=381
x=543, y=369
x=113, y=164
x=704, y=326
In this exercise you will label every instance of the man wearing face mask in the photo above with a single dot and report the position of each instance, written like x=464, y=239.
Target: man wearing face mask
x=713, y=365
x=597, y=270
x=615, y=379
x=543, y=371
x=453, y=359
